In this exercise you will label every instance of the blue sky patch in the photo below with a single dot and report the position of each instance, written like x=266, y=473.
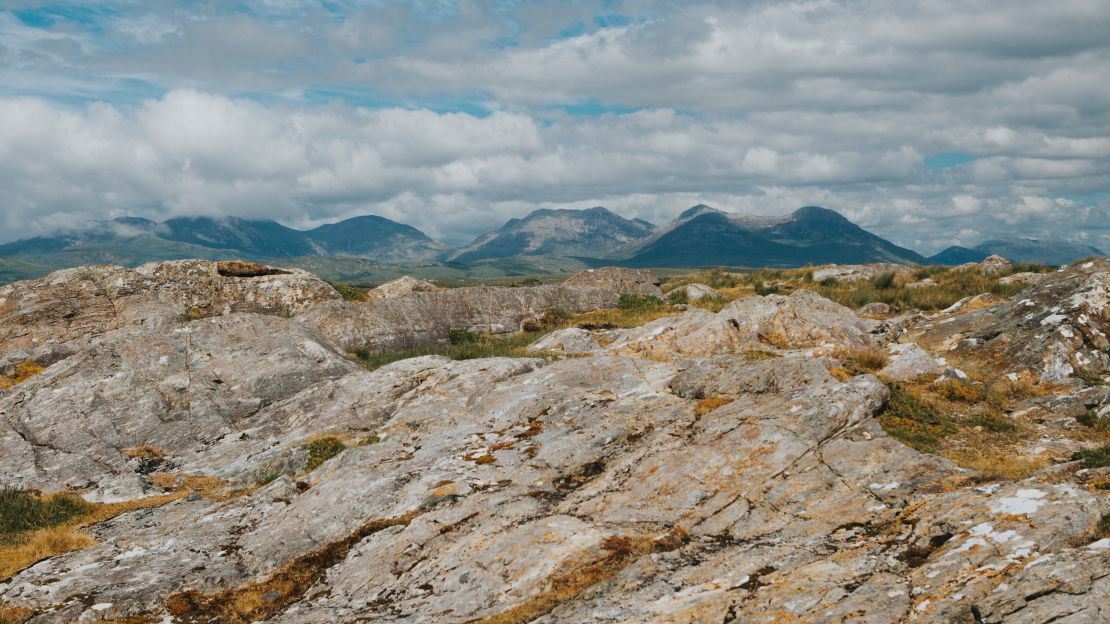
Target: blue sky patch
x=949, y=159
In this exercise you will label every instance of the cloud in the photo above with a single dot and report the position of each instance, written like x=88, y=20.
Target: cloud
x=454, y=116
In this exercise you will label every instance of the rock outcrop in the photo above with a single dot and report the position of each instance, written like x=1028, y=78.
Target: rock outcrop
x=400, y=287
x=39, y=319
x=1053, y=328
x=857, y=272
x=702, y=468
x=427, y=318
x=803, y=320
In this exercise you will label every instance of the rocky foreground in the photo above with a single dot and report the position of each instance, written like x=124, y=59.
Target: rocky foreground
x=705, y=467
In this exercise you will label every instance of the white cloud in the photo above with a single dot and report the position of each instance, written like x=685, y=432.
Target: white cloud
x=760, y=107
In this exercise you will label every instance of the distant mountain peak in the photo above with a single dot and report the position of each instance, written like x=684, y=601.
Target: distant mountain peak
x=592, y=232
x=704, y=236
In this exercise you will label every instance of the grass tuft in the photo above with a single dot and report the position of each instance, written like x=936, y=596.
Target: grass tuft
x=709, y=404
x=21, y=510
x=914, y=419
x=322, y=449
x=20, y=373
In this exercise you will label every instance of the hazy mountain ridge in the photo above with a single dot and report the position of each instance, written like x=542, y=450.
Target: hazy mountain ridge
x=367, y=236
x=1016, y=249
x=543, y=241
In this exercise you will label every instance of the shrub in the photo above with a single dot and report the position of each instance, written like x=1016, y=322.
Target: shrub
x=883, y=281
x=267, y=474
x=762, y=289
x=992, y=422
x=24, y=511
x=321, y=450
x=550, y=319
x=193, y=313
x=22, y=372
x=239, y=268
x=678, y=295
x=1093, y=458
x=462, y=337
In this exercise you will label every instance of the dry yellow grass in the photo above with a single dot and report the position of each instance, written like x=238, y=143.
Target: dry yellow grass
x=41, y=544
x=23, y=372
x=862, y=359
x=208, y=486
x=619, y=551
x=260, y=600
x=14, y=615
x=19, y=551
x=709, y=404
x=996, y=462
x=144, y=450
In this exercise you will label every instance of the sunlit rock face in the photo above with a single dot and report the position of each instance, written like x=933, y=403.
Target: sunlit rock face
x=706, y=467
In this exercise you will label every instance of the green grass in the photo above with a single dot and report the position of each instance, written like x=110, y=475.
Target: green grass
x=1094, y=458
x=1091, y=378
x=350, y=292
x=640, y=302
x=461, y=346
x=321, y=450
x=25, y=511
x=914, y=420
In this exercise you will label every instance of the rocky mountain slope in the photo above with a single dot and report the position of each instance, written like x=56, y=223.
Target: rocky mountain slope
x=705, y=467
x=703, y=236
x=1052, y=252
x=592, y=233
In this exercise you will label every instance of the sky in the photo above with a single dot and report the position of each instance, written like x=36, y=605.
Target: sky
x=931, y=123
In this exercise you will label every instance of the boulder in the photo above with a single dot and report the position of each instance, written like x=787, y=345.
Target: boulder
x=1022, y=278
x=857, y=272
x=175, y=389
x=802, y=320
x=697, y=292
x=400, y=287
x=617, y=279
x=874, y=309
x=994, y=265
x=908, y=361
x=39, y=318
x=427, y=318
x=570, y=340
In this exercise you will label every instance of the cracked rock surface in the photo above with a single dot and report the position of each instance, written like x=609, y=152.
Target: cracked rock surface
x=589, y=489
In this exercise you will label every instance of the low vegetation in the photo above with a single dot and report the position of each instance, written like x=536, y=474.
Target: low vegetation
x=260, y=600
x=350, y=292
x=1094, y=458
x=617, y=552
x=969, y=421
x=34, y=527
x=321, y=449
x=20, y=372
x=950, y=285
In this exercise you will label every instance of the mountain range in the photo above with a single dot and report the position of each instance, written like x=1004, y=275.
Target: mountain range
x=1019, y=250
x=542, y=241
